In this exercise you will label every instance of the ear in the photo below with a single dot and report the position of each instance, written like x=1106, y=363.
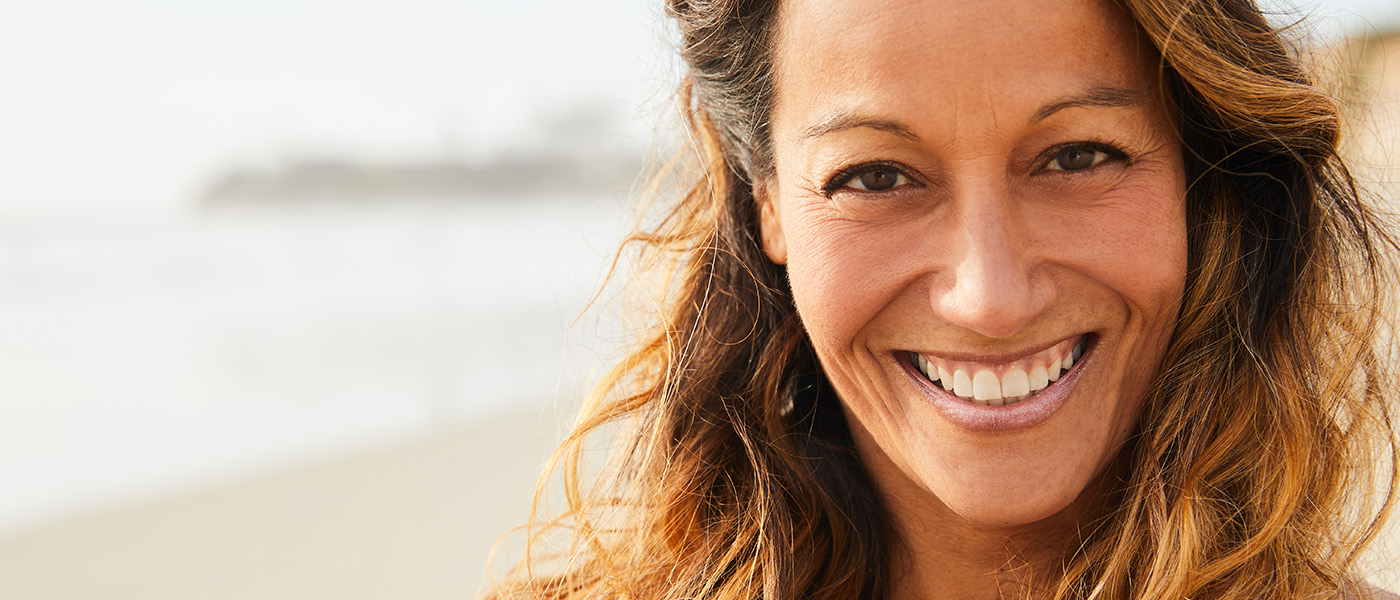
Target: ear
x=770, y=222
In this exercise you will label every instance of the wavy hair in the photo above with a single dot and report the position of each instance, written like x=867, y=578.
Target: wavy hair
x=1262, y=439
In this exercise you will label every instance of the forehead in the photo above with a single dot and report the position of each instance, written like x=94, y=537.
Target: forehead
x=947, y=60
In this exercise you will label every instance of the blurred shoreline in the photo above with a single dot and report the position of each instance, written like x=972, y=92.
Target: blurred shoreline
x=350, y=182
x=145, y=355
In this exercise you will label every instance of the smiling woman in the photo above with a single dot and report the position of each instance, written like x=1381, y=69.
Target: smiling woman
x=1018, y=224
x=1002, y=299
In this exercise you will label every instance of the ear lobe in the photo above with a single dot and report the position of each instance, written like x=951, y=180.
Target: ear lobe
x=770, y=224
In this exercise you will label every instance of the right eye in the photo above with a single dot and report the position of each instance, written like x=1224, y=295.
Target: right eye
x=878, y=180
x=868, y=178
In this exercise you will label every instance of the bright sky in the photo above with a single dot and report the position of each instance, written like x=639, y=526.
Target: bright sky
x=138, y=103
x=110, y=103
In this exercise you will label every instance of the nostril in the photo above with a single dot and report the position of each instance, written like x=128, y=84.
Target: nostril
x=996, y=307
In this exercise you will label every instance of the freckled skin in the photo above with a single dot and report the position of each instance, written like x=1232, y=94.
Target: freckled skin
x=981, y=249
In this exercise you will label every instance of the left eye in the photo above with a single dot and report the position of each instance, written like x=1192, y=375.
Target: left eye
x=877, y=180
x=1078, y=158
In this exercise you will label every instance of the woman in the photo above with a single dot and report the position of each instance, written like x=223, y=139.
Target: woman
x=1009, y=299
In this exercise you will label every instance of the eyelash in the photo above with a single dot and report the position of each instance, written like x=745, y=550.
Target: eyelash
x=1113, y=151
x=845, y=175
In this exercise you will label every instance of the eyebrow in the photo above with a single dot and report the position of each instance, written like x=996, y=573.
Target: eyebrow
x=851, y=120
x=1102, y=96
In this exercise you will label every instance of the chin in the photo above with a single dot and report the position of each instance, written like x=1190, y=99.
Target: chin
x=999, y=510
x=1064, y=490
x=993, y=484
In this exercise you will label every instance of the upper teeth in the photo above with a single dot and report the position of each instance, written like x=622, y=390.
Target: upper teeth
x=997, y=385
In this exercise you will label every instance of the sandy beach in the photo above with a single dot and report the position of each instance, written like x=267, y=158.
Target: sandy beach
x=416, y=519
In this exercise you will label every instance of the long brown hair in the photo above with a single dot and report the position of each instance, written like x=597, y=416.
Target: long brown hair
x=1262, y=438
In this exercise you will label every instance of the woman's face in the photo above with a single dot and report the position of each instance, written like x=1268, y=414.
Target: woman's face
x=980, y=206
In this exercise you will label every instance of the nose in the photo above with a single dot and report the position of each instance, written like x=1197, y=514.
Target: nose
x=993, y=283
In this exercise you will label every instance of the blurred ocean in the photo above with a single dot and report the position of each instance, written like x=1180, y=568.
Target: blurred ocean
x=149, y=353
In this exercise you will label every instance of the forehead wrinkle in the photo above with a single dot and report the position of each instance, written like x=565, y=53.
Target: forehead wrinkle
x=992, y=109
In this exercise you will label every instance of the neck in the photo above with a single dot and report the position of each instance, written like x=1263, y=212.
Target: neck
x=942, y=556
x=971, y=563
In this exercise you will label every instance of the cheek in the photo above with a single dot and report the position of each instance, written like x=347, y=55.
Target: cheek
x=842, y=272
x=1136, y=255
x=1134, y=245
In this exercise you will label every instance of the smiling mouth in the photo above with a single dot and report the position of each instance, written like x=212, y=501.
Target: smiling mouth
x=1004, y=383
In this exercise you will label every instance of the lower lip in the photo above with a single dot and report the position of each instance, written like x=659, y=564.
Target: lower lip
x=982, y=418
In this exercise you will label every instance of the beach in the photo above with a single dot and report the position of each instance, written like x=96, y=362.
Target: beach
x=410, y=519
x=320, y=402
x=287, y=402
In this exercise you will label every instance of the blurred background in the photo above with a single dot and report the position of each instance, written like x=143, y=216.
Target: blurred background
x=288, y=289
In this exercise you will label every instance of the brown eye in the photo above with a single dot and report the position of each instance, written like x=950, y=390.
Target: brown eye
x=877, y=180
x=1077, y=159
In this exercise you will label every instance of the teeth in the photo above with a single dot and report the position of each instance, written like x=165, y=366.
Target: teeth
x=1038, y=378
x=985, y=386
x=962, y=385
x=922, y=364
x=1017, y=381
